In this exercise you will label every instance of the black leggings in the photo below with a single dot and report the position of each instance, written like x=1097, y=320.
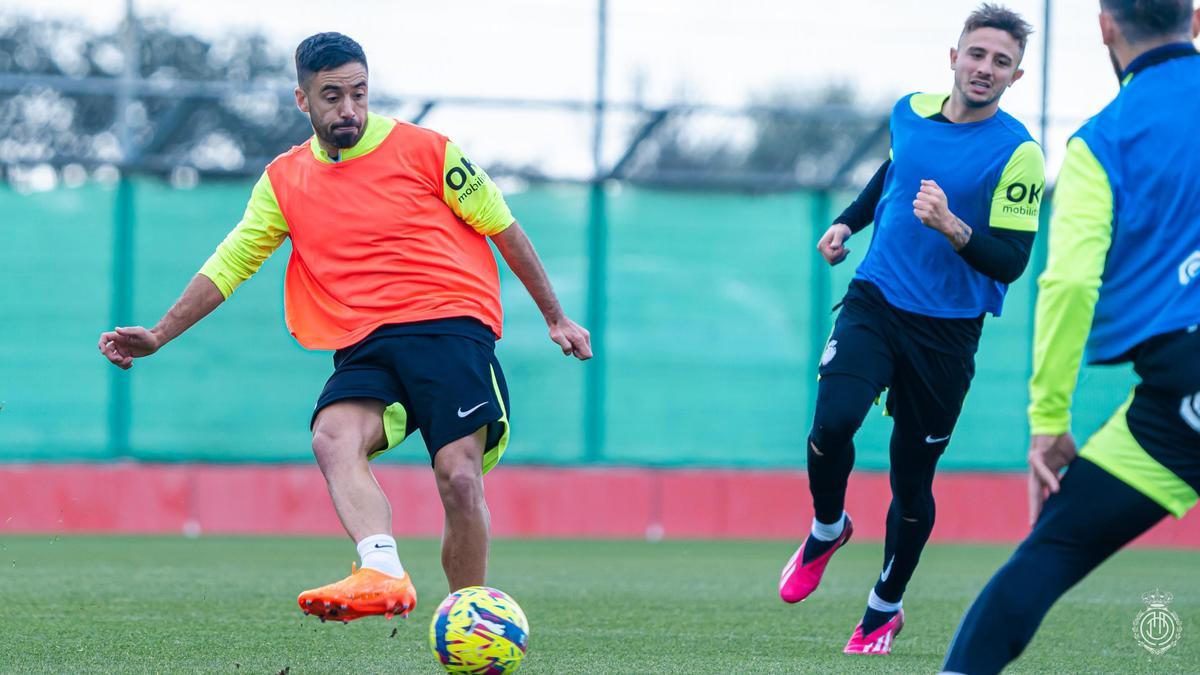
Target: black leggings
x=1092, y=516
x=842, y=404
x=843, y=401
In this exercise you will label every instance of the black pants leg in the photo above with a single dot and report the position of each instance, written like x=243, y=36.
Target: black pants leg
x=909, y=519
x=856, y=365
x=842, y=403
x=1092, y=516
x=926, y=398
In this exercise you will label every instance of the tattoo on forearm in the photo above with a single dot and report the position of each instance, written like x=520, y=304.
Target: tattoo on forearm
x=960, y=234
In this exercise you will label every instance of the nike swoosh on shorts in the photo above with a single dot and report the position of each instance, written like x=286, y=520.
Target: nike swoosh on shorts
x=468, y=412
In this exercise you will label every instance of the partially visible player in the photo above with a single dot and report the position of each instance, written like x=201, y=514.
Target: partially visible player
x=955, y=212
x=1124, y=261
x=392, y=269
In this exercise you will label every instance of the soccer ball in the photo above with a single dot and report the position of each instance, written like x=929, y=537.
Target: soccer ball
x=479, y=630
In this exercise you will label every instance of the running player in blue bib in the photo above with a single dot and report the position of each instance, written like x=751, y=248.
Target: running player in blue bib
x=955, y=211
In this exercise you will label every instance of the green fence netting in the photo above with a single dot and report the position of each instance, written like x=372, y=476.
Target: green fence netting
x=716, y=309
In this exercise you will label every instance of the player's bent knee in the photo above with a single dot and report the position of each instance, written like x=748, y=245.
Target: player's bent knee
x=331, y=445
x=832, y=430
x=458, y=468
x=348, y=430
x=829, y=437
x=327, y=448
x=461, y=490
x=916, y=508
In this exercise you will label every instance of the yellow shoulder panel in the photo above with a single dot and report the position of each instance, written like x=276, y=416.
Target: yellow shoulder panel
x=1018, y=196
x=927, y=105
x=472, y=195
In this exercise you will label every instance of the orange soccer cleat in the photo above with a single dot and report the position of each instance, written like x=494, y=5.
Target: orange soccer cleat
x=366, y=592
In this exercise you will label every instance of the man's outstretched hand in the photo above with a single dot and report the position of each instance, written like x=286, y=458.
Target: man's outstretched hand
x=122, y=345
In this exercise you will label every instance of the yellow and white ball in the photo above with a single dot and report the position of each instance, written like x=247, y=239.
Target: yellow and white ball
x=479, y=630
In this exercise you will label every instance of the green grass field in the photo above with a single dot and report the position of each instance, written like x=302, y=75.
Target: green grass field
x=227, y=604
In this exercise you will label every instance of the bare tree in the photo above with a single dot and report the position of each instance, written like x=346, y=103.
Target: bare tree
x=232, y=115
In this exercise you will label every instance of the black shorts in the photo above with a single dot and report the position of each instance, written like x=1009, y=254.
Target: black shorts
x=440, y=377
x=1152, y=442
x=926, y=387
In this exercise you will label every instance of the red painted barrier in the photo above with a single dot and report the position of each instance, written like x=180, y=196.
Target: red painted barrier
x=524, y=501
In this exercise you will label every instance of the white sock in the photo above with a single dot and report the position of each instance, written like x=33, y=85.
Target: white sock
x=829, y=532
x=378, y=552
x=880, y=605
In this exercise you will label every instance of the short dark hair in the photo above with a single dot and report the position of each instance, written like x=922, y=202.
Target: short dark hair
x=989, y=15
x=324, y=51
x=1143, y=19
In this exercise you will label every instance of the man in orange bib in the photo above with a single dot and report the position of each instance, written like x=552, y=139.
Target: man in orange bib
x=391, y=268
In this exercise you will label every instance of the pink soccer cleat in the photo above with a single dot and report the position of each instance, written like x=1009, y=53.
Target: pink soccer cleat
x=799, y=579
x=879, y=641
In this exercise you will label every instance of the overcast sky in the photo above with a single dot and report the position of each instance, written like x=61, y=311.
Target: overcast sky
x=659, y=50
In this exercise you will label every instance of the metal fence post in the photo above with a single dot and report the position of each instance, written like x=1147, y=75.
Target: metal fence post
x=119, y=412
x=595, y=384
x=595, y=418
